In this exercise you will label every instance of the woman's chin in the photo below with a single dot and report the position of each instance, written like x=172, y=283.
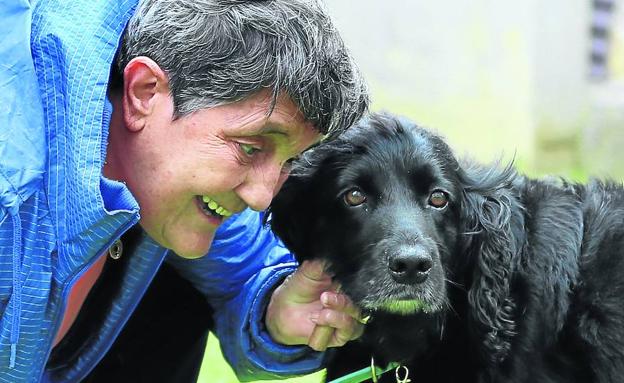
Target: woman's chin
x=194, y=252
x=191, y=247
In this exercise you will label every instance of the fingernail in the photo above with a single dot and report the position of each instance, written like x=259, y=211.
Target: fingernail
x=325, y=299
x=365, y=319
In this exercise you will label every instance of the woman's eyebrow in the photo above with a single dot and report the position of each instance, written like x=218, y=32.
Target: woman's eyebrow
x=275, y=129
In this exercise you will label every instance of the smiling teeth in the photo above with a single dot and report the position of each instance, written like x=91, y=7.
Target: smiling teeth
x=212, y=205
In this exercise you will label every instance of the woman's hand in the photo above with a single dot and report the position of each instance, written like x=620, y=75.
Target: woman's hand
x=307, y=309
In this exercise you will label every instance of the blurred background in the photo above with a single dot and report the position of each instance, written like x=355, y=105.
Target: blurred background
x=540, y=82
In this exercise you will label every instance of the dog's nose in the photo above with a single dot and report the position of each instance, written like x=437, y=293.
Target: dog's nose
x=410, y=267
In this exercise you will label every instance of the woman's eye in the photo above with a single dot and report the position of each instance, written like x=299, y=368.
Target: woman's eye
x=438, y=199
x=249, y=149
x=354, y=197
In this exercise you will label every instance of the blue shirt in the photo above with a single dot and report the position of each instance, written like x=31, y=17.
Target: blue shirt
x=57, y=211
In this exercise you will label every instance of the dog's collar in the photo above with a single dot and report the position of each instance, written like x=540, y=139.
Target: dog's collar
x=373, y=372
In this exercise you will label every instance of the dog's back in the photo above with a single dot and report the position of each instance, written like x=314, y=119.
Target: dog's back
x=596, y=313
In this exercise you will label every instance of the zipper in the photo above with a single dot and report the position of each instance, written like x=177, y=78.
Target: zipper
x=67, y=289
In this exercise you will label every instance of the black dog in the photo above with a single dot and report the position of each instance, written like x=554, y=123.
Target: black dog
x=472, y=273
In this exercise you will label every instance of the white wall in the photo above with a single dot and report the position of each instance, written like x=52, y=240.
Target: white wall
x=495, y=77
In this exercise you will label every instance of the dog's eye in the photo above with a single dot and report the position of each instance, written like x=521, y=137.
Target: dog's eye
x=354, y=197
x=438, y=199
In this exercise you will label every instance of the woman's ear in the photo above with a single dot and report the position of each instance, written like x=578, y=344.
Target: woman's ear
x=146, y=86
x=492, y=221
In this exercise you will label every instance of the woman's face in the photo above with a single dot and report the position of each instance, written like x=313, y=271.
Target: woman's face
x=190, y=174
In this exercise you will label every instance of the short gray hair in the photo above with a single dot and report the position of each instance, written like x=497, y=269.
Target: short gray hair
x=221, y=51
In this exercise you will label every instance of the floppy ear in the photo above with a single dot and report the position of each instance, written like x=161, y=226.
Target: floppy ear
x=290, y=217
x=295, y=212
x=492, y=226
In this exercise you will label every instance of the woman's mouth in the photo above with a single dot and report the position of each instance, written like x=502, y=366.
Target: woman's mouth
x=212, y=209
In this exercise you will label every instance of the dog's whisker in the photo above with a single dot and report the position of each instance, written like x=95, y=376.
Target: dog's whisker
x=442, y=324
x=368, y=246
x=449, y=306
x=456, y=284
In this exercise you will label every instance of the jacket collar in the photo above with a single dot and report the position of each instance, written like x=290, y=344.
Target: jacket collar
x=73, y=46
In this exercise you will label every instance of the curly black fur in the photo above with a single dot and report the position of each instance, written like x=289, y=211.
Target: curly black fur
x=514, y=280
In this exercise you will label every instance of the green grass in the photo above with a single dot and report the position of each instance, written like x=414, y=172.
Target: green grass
x=216, y=370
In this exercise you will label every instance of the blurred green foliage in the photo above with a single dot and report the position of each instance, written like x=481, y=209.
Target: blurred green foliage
x=216, y=370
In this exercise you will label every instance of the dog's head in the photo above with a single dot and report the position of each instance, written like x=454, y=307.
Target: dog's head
x=381, y=204
x=400, y=221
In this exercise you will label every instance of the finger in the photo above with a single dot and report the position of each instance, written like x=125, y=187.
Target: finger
x=351, y=330
x=342, y=336
x=359, y=330
x=340, y=302
x=343, y=325
x=321, y=337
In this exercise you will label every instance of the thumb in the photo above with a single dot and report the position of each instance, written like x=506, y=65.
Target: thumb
x=310, y=280
x=314, y=270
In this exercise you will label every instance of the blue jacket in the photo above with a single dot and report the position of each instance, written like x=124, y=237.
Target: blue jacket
x=57, y=211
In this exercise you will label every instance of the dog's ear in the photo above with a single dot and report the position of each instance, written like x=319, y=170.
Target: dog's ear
x=289, y=215
x=491, y=220
x=295, y=214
